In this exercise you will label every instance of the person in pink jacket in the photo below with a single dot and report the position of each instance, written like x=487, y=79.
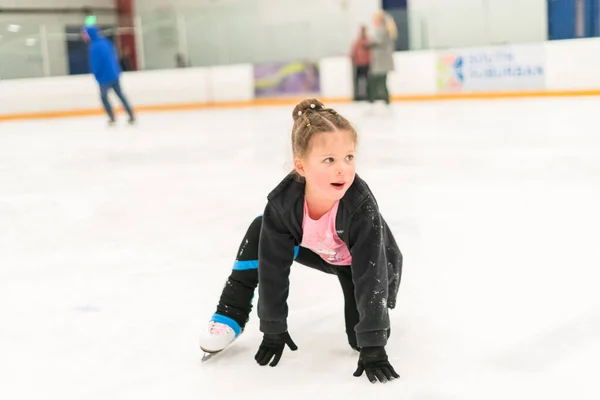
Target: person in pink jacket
x=361, y=60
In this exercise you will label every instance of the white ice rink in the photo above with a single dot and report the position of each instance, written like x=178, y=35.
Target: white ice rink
x=115, y=244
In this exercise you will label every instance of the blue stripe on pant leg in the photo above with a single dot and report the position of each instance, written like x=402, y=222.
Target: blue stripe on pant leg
x=239, y=265
x=245, y=265
x=253, y=264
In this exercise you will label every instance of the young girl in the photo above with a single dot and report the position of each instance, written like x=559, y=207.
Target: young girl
x=324, y=216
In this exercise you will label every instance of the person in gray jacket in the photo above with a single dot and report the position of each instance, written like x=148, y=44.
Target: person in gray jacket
x=382, y=56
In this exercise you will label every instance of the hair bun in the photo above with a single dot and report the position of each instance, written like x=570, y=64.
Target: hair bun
x=305, y=106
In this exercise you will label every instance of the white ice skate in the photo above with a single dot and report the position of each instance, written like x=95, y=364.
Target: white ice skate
x=217, y=339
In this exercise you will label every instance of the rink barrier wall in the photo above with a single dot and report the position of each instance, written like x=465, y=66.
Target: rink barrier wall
x=570, y=69
x=294, y=101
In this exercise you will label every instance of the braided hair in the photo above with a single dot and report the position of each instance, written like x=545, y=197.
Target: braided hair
x=312, y=117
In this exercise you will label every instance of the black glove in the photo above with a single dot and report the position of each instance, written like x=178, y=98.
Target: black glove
x=375, y=362
x=272, y=345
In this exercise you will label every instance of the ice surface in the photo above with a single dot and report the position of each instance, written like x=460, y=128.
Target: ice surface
x=115, y=245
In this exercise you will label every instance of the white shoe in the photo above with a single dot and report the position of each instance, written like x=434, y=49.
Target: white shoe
x=219, y=336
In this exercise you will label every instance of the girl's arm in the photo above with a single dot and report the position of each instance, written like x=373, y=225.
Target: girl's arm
x=370, y=275
x=275, y=257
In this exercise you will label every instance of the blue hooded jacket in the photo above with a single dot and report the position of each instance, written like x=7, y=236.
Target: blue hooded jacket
x=104, y=62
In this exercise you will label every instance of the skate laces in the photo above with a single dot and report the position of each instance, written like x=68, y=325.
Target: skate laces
x=217, y=328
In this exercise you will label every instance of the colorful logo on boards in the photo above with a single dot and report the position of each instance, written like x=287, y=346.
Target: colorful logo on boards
x=450, y=72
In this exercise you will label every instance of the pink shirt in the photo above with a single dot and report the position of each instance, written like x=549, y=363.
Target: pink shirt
x=321, y=237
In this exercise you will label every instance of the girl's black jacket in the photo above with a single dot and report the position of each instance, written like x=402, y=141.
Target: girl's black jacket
x=376, y=258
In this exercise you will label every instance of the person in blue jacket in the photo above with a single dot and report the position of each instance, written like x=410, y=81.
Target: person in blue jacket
x=104, y=64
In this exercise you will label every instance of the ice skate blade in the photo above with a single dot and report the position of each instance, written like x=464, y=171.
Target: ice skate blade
x=209, y=354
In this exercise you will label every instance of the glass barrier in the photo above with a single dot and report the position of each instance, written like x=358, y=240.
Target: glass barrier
x=231, y=34
x=243, y=33
x=481, y=23
x=22, y=51
x=44, y=45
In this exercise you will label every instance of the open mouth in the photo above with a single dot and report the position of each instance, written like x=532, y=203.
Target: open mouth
x=338, y=185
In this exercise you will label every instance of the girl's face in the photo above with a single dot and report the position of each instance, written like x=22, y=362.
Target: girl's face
x=328, y=166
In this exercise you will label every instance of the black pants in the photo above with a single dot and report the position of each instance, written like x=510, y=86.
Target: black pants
x=378, y=88
x=236, y=299
x=361, y=74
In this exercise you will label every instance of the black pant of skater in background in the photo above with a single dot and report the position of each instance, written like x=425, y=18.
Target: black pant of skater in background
x=361, y=75
x=378, y=88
